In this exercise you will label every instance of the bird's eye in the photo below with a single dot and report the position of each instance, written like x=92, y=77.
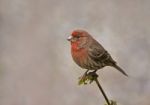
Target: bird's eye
x=77, y=37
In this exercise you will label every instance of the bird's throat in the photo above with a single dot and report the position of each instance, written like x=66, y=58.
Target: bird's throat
x=75, y=47
x=78, y=53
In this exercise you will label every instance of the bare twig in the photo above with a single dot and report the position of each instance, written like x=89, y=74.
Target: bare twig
x=101, y=89
x=92, y=76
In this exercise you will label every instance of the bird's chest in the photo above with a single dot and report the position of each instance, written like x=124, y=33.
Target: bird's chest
x=80, y=55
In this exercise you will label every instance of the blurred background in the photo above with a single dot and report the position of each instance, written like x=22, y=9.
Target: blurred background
x=36, y=67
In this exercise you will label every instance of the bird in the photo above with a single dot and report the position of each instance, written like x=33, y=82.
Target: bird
x=88, y=53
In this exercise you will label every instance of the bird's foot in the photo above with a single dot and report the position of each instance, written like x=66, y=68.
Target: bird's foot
x=89, y=77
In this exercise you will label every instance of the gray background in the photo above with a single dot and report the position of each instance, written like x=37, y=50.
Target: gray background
x=36, y=67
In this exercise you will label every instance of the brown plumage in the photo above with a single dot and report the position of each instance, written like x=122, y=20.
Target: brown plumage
x=88, y=53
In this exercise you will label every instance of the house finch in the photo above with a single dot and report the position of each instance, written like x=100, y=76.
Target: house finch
x=88, y=53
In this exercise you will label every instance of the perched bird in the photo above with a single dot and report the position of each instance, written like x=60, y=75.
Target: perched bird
x=88, y=53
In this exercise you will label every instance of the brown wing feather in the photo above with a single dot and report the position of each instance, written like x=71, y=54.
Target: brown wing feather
x=100, y=55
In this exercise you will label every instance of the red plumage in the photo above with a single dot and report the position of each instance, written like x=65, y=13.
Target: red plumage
x=88, y=53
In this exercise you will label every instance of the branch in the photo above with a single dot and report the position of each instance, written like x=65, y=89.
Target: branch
x=92, y=76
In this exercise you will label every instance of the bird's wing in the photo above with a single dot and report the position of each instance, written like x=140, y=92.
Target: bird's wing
x=99, y=54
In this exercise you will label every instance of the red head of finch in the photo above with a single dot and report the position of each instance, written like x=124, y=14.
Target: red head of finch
x=88, y=53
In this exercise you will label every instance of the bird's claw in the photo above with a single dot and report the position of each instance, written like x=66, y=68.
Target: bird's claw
x=88, y=78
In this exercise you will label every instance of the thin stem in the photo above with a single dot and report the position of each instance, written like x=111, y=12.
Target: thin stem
x=101, y=89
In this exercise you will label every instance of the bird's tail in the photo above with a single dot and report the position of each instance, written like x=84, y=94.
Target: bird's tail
x=120, y=69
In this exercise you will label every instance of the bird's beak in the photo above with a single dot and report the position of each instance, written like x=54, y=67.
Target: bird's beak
x=69, y=38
